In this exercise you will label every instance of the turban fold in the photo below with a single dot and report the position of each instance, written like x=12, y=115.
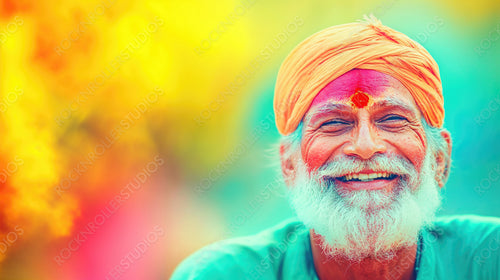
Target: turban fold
x=330, y=53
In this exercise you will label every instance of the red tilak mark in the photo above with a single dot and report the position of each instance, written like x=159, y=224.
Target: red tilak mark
x=360, y=99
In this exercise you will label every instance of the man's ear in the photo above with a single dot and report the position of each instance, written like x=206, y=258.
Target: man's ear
x=287, y=164
x=443, y=160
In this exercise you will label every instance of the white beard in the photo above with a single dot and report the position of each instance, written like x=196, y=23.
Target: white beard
x=366, y=223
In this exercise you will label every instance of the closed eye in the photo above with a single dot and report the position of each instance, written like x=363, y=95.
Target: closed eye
x=336, y=126
x=336, y=122
x=392, y=118
x=392, y=122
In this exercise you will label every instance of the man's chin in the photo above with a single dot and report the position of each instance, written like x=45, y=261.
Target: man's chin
x=369, y=224
x=368, y=200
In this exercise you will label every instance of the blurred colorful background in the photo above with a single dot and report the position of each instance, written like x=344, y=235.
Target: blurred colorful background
x=136, y=132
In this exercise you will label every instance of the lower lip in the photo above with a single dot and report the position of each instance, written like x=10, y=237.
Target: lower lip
x=370, y=185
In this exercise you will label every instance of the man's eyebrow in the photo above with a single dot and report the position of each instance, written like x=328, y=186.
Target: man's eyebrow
x=332, y=107
x=394, y=103
x=327, y=108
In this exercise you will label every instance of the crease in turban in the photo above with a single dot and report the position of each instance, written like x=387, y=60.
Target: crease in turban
x=368, y=44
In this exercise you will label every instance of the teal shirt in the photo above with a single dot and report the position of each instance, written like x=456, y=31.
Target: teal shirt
x=459, y=247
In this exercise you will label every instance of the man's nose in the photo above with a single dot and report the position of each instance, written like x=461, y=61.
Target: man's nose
x=366, y=142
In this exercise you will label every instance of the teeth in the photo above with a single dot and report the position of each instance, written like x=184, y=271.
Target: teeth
x=367, y=177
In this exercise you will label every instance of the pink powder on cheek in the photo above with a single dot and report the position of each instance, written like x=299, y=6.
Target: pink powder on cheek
x=316, y=155
x=341, y=89
x=315, y=161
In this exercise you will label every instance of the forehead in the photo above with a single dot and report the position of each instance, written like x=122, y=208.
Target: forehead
x=378, y=87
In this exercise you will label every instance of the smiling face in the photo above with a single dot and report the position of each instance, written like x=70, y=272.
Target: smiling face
x=361, y=115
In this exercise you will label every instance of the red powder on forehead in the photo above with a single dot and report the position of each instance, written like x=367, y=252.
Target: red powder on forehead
x=360, y=99
x=342, y=89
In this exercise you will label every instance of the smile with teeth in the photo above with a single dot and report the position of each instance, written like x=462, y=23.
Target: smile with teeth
x=367, y=177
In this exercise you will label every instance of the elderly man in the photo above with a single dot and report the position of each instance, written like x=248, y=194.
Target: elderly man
x=364, y=156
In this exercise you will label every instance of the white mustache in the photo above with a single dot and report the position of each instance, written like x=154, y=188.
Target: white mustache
x=391, y=163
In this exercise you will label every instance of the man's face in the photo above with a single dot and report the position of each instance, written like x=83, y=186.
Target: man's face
x=361, y=114
x=364, y=178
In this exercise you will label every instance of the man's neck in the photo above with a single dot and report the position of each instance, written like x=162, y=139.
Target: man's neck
x=399, y=267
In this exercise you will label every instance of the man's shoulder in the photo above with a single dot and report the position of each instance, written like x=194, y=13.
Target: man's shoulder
x=464, y=247
x=468, y=230
x=467, y=226
x=239, y=258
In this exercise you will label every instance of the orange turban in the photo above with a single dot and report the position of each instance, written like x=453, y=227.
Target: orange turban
x=328, y=54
